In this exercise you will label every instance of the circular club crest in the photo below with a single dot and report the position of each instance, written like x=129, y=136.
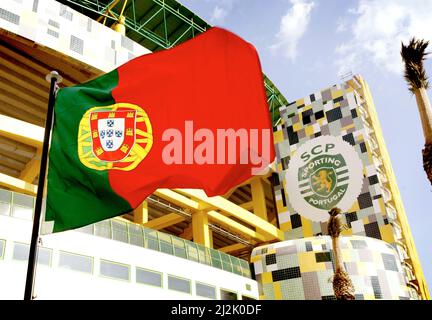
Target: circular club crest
x=114, y=137
x=325, y=172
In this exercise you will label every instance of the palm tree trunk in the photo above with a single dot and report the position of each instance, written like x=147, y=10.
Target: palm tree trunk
x=342, y=284
x=425, y=111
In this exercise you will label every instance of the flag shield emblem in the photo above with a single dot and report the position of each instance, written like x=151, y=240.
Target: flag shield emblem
x=114, y=137
x=109, y=139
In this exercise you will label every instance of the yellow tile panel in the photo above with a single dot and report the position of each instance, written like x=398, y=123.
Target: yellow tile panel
x=307, y=261
x=278, y=136
x=255, y=258
x=267, y=277
x=277, y=291
x=336, y=93
x=307, y=227
x=286, y=226
x=355, y=207
x=387, y=233
x=309, y=130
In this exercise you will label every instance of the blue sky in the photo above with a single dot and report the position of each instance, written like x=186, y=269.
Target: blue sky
x=306, y=45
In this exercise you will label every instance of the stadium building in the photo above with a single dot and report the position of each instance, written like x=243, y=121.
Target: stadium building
x=258, y=241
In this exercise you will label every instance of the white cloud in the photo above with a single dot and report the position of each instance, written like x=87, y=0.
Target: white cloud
x=292, y=28
x=341, y=26
x=378, y=28
x=218, y=15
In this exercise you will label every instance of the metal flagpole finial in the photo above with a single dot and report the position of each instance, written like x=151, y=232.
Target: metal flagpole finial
x=55, y=75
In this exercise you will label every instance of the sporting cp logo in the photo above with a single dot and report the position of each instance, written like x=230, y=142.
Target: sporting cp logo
x=323, y=173
x=114, y=137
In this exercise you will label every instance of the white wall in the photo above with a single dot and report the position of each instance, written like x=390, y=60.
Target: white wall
x=58, y=283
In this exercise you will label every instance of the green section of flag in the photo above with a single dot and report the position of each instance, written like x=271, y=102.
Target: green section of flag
x=77, y=195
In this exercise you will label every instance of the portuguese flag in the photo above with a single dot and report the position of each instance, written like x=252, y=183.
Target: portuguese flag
x=162, y=120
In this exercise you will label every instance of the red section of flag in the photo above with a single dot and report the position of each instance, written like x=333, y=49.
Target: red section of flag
x=214, y=80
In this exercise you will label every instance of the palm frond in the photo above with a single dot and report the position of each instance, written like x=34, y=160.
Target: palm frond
x=413, y=56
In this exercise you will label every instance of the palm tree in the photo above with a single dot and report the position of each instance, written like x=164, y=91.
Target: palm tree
x=342, y=285
x=413, y=55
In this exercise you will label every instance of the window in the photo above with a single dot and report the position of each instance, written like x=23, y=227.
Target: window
x=119, y=230
x=179, y=247
x=21, y=253
x=165, y=243
x=178, y=284
x=151, y=239
x=2, y=248
x=22, y=206
x=22, y=212
x=247, y=298
x=228, y=295
x=114, y=270
x=136, y=235
x=86, y=229
x=192, y=251
x=5, y=199
x=75, y=262
x=44, y=256
x=152, y=278
x=103, y=229
x=4, y=208
x=204, y=290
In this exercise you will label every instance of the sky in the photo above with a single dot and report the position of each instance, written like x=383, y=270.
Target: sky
x=308, y=45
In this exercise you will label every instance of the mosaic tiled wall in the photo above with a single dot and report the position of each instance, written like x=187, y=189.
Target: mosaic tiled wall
x=303, y=269
x=335, y=111
x=58, y=27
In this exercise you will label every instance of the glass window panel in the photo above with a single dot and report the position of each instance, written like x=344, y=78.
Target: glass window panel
x=178, y=242
x=227, y=266
x=166, y=247
x=23, y=200
x=119, y=231
x=103, y=229
x=164, y=237
x=177, y=284
x=180, y=252
x=148, y=277
x=151, y=240
x=75, y=262
x=4, y=209
x=89, y=229
x=228, y=295
x=21, y=251
x=44, y=256
x=5, y=196
x=22, y=212
x=217, y=263
x=2, y=248
x=136, y=235
x=245, y=268
x=225, y=257
x=114, y=270
x=201, y=253
x=192, y=251
x=204, y=290
x=247, y=298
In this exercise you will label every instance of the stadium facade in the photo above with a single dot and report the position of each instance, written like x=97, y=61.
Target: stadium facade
x=346, y=111
x=251, y=243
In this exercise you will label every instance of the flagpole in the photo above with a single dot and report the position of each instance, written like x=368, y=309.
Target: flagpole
x=53, y=77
